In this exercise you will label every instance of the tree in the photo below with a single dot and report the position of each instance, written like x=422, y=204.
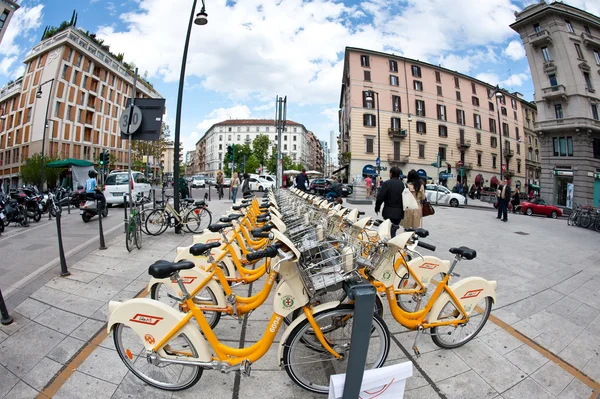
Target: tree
x=30, y=170
x=260, y=147
x=141, y=148
x=272, y=162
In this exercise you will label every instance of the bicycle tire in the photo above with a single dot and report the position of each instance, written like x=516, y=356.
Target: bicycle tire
x=157, y=218
x=192, y=221
x=571, y=219
x=314, y=375
x=585, y=220
x=597, y=224
x=204, y=296
x=130, y=236
x=438, y=337
x=135, y=359
x=138, y=232
x=143, y=217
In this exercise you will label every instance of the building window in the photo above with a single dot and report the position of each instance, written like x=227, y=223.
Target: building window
x=294, y=130
x=267, y=129
x=64, y=72
x=56, y=109
x=369, y=120
x=418, y=85
x=442, y=131
x=239, y=128
x=416, y=71
x=460, y=116
x=478, y=138
x=421, y=127
x=420, y=106
x=493, y=142
x=393, y=66
x=546, y=54
x=578, y=51
x=513, y=103
x=492, y=125
x=364, y=60
x=369, y=141
x=553, y=80
x=493, y=161
x=478, y=159
x=438, y=77
x=563, y=146
x=248, y=128
x=477, y=121
x=518, y=148
x=394, y=80
x=294, y=137
x=515, y=115
x=439, y=90
x=285, y=137
x=491, y=106
x=505, y=129
x=421, y=150
x=367, y=75
x=285, y=147
x=229, y=137
x=518, y=166
x=569, y=26
x=456, y=82
x=503, y=110
x=475, y=101
x=596, y=146
x=294, y=147
x=396, y=105
x=536, y=27
x=517, y=133
x=597, y=56
x=368, y=100
x=441, y=112
x=69, y=108
x=595, y=111
x=473, y=88
x=458, y=96
x=75, y=73
x=558, y=110
x=220, y=146
x=587, y=29
x=442, y=152
x=395, y=122
x=588, y=80
x=238, y=137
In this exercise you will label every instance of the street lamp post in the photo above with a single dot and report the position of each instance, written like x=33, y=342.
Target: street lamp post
x=370, y=98
x=201, y=19
x=498, y=93
x=39, y=95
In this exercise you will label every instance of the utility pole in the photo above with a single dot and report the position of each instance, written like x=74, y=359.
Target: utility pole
x=280, y=121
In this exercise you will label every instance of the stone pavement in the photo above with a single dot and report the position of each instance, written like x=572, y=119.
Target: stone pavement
x=548, y=292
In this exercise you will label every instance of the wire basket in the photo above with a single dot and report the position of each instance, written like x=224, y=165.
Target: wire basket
x=325, y=266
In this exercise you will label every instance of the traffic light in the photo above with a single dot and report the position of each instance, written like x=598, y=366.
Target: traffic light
x=102, y=158
x=230, y=152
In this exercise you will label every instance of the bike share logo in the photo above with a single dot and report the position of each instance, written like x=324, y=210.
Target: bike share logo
x=188, y=279
x=386, y=275
x=287, y=302
x=429, y=266
x=146, y=319
x=471, y=294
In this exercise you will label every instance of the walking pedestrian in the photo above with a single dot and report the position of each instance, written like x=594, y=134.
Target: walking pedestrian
x=503, y=199
x=412, y=217
x=219, y=181
x=246, y=184
x=235, y=183
x=516, y=200
x=390, y=195
x=369, y=185
x=302, y=181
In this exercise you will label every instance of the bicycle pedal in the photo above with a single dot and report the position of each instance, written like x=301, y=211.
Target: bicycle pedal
x=416, y=350
x=245, y=367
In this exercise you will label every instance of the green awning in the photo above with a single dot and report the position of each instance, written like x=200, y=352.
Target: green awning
x=67, y=163
x=535, y=187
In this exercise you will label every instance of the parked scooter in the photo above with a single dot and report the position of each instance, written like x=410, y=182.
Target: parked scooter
x=13, y=212
x=88, y=209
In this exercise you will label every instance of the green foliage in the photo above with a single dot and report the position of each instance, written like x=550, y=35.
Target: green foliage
x=260, y=145
x=30, y=170
x=287, y=163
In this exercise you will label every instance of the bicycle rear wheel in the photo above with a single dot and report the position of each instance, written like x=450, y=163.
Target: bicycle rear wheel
x=597, y=224
x=130, y=235
x=204, y=216
x=310, y=365
x=157, y=222
x=170, y=377
x=205, y=297
x=192, y=221
x=585, y=220
x=450, y=337
x=138, y=232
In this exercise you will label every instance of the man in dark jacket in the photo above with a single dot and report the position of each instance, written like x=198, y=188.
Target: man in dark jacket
x=390, y=195
x=302, y=180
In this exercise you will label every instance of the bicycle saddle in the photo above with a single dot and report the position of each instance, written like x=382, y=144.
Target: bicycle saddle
x=264, y=218
x=164, y=269
x=377, y=222
x=419, y=231
x=238, y=207
x=200, y=202
x=464, y=252
x=215, y=228
x=202, y=249
x=229, y=218
x=189, y=200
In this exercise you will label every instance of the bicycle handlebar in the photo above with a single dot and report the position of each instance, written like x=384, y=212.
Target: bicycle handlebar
x=426, y=246
x=270, y=251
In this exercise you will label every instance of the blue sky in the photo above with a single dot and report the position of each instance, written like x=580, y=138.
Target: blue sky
x=253, y=50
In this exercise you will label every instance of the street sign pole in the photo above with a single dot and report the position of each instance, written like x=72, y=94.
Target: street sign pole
x=437, y=193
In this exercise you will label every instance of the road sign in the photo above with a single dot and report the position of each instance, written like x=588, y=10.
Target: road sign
x=377, y=162
x=459, y=163
x=136, y=119
x=446, y=176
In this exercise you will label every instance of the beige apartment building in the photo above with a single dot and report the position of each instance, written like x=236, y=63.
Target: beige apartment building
x=8, y=8
x=316, y=160
x=424, y=110
x=563, y=50
x=533, y=155
x=84, y=90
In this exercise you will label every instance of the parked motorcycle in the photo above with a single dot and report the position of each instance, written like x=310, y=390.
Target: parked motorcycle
x=13, y=212
x=88, y=209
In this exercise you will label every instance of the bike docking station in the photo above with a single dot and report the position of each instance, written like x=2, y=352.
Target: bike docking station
x=386, y=382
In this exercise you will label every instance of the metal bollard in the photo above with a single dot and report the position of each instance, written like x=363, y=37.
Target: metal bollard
x=63, y=261
x=6, y=319
x=125, y=213
x=364, y=296
x=100, y=230
x=154, y=198
x=68, y=207
x=209, y=191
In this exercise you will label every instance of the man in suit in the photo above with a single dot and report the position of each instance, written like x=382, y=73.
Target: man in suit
x=390, y=195
x=503, y=200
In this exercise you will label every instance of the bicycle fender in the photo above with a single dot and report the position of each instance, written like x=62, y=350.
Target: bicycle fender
x=424, y=269
x=279, y=225
x=192, y=278
x=468, y=291
x=152, y=321
x=302, y=317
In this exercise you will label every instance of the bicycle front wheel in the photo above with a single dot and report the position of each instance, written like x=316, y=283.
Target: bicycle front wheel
x=138, y=232
x=450, y=337
x=585, y=220
x=130, y=236
x=597, y=225
x=170, y=377
x=310, y=365
x=192, y=221
x=157, y=222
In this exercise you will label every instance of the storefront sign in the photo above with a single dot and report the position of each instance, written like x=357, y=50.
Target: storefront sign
x=570, y=195
x=563, y=173
x=369, y=170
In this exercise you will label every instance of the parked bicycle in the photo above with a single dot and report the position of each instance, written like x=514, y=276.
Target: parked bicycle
x=194, y=218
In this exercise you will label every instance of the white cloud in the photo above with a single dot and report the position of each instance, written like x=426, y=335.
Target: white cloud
x=515, y=50
x=488, y=77
x=220, y=114
x=515, y=80
x=332, y=114
x=23, y=22
x=17, y=73
x=6, y=63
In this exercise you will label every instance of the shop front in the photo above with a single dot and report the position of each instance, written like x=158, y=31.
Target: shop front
x=563, y=188
x=597, y=190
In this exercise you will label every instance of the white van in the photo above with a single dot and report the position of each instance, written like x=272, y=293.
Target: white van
x=117, y=185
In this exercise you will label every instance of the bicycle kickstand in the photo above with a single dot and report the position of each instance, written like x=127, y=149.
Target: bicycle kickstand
x=415, y=347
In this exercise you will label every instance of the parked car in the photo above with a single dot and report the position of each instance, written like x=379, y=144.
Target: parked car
x=347, y=189
x=227, y=181
x=198, y=182
x=320, y=186
x=267, y=178
x=117, y=185
x=258, y=184
x=539, y=207
x=444, y=196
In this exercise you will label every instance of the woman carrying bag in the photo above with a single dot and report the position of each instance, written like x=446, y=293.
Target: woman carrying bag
x=413, y=211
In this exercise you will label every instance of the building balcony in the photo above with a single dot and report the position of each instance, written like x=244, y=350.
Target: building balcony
x=464, y=165
x=396, y=132
x=567, y=123
x=399, y=159
x=508, y=174
x=590, y=40
x=508, y=153
x=552, y=93
x=463, y=144
x=540, y=38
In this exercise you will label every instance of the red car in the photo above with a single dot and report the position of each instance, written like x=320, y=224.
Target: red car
x=539, y=207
